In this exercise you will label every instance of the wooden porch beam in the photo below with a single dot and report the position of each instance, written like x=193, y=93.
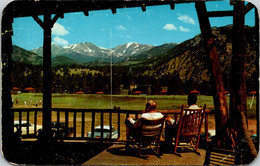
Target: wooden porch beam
x=143, y=7
x=47, y=25
x=56, y=17
x=244, y=10
x=172, y=5
x=6, y=64
x=220, y=13
x=214, y=68
x=257, y=55
x=47, y=75
x=238, y=95
x=38, y=20
x=230, y=13
x=247, y=8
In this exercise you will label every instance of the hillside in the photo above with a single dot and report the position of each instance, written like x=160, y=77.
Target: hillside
x=21, y=55
x=62, y=60
x=189, y=60
x=155, y=51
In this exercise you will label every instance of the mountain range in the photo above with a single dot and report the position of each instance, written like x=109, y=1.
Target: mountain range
x=188, y=58
x=87, y=53
x=187, y=61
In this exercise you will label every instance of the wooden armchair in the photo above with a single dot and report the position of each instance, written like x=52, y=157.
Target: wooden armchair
x=149, y=132
x=189, y=127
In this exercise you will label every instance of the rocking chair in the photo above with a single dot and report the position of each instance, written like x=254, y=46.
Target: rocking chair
x=189, y=128
x=148, y=133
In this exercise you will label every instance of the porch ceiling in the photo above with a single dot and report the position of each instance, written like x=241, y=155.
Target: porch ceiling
x=40, y=7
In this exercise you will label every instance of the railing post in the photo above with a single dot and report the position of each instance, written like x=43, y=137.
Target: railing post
x=20, y=120
x=83, y=124
x=110, y=124
x=136, y=115
x=102, y=125
x=74, y=124
x=27, y=121
x=93, y=123
x=66, y=122
x=35, y=121
x=58, y=120
x=118, y=124
x=206, y=127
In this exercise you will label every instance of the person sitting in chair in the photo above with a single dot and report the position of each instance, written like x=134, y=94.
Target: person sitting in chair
x=171, y=125
x=150, y=113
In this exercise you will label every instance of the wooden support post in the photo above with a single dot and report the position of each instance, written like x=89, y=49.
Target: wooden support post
x=6, y=60
x=47, y=25
x=47, y=75
x=214, y=68
x=238, y=95
x=257, y=55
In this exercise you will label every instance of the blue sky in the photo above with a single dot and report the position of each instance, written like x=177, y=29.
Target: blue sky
x=157, y=26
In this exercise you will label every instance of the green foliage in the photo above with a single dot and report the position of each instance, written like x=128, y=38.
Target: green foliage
x=24, y=56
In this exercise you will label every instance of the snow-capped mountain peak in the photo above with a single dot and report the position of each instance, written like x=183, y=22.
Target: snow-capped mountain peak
x=87, y=51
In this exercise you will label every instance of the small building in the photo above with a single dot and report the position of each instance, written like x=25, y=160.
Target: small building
x=14, y=90
x=195, y=92
x=138, y=92
x=80, y=92
x=163, y=92
x=30, y=90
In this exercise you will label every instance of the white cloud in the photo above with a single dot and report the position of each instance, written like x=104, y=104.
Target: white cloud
x=170, y=27
x=121, y=28
x=60, y=30
x=60, y=41
x=184, y=29
x=186, y=19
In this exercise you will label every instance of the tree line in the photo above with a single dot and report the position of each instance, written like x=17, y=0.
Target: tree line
x=65, y=81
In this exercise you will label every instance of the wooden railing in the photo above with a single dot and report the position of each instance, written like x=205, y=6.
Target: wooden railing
x=75, y=126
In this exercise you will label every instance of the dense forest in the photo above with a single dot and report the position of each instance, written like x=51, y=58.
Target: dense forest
x=70, y=79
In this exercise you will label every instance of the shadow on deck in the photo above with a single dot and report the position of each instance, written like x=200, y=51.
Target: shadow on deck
x=95, y=153
x=117, y=155
x=59, y=153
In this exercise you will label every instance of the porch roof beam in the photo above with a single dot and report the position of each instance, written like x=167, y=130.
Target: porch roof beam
x=220, y=13
x=25, y=8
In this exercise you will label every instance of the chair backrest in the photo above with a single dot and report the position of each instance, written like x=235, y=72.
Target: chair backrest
x=150, y=130
x=191, y=121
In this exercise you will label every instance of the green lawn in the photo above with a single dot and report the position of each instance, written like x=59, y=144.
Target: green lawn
x=94, y=101
x=129, y=102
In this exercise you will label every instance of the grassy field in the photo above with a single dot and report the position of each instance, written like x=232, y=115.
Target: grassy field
x=125, y=102
x=94, y=101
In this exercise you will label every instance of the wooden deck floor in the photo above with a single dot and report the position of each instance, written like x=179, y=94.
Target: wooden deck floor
x=219, y=156
x=117, y=155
